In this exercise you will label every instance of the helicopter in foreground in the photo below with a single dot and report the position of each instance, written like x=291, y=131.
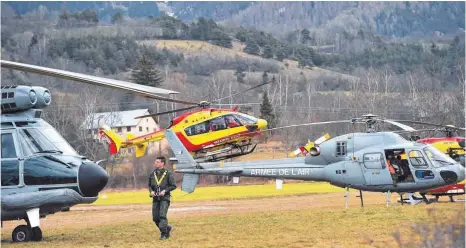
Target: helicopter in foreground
x=41, y=173
x=361, y=161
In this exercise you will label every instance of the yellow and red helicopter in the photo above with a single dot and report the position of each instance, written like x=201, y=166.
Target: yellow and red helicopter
x=210, y=134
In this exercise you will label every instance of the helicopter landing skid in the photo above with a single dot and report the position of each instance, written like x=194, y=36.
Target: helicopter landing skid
x=233, y=152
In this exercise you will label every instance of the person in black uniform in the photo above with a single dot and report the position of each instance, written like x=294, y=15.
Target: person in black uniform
x=161, y=183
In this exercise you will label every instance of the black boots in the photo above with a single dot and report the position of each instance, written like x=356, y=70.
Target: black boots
x=169, y=228
x=166, y=234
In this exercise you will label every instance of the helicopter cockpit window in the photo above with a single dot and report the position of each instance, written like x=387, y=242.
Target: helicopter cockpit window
x=232, y=121
x=7, y=125
x=58, y=141
x=8, y=146
x=417, y=159
x=217, y=124
x=29, y=123
x=246, y=120
x=10, y=165
x=10, y=172
x=437, y=158
x=33, y=141
x=197, y=129
x=341, y=148
x=45, y=170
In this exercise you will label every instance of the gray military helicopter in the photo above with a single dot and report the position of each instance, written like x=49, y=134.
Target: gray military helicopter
x=41, y=173
x=360, y=160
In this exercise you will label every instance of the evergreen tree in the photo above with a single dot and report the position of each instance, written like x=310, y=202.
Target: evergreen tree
x=239, y=73
x=265, y=77
x=32, y=43
x=267, y=111
x=305, y=36
x=316, y=59
x=169, y=31
x=64, y=15
x=241, y=35
x=434, y=49
x=147, y=74
x=268, y=52
x=280, y=53
x=89, y=15
x=117, y=17
x=220, y=38
x=252, y=47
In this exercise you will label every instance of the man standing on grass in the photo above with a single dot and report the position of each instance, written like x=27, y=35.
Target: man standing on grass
x=161, y=183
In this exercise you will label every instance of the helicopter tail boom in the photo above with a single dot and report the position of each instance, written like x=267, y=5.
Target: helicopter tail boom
x=185, y=161
x=112, y=138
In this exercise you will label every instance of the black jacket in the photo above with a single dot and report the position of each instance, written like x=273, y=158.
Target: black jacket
x=168, y=183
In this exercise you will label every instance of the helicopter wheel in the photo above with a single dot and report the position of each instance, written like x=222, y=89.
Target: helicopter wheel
x=36, y=234
x=22, y=233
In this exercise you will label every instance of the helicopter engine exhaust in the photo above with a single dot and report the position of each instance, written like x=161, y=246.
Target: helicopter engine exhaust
x=20, y=98
x=314, y=151
x=44, y=97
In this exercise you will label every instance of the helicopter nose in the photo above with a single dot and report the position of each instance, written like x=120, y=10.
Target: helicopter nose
x=261, y=124
x=453, y=175
x=91, y=179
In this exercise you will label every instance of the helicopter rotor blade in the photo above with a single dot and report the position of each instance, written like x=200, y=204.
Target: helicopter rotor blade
x=414, y=131
x=166, y=112
x=236, y=104
x=246, y=90
x=431, y=124
x=396, y=123
x=310, y=124
x=142, y=90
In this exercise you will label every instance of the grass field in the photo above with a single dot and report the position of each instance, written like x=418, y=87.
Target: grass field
x=219, y=193
x=370, y=227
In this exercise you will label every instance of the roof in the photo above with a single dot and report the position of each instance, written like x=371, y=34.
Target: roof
x=114, y=119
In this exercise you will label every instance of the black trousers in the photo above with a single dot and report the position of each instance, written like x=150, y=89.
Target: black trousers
x=159, y=214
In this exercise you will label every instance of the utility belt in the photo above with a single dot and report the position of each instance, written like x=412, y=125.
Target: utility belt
x=157, y=189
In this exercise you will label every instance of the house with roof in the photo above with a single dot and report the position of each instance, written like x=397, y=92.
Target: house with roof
x=123, y=122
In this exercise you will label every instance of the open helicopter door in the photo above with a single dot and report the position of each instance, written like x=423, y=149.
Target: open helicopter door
x=375, y=169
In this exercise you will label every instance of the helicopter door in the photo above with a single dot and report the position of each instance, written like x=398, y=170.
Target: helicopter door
x=10, y=161
x=208, y=131
x=420, y=167
x=374, y=169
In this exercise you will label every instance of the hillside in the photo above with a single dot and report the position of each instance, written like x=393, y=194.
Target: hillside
x=104, y=9
x=194, y=48
x=323, y=19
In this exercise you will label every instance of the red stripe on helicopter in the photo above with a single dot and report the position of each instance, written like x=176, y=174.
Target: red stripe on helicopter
x=434, y=140
x=145, y=135
x=447, y=188
x=111, y=144
x=185, y=115
x=192, y=147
